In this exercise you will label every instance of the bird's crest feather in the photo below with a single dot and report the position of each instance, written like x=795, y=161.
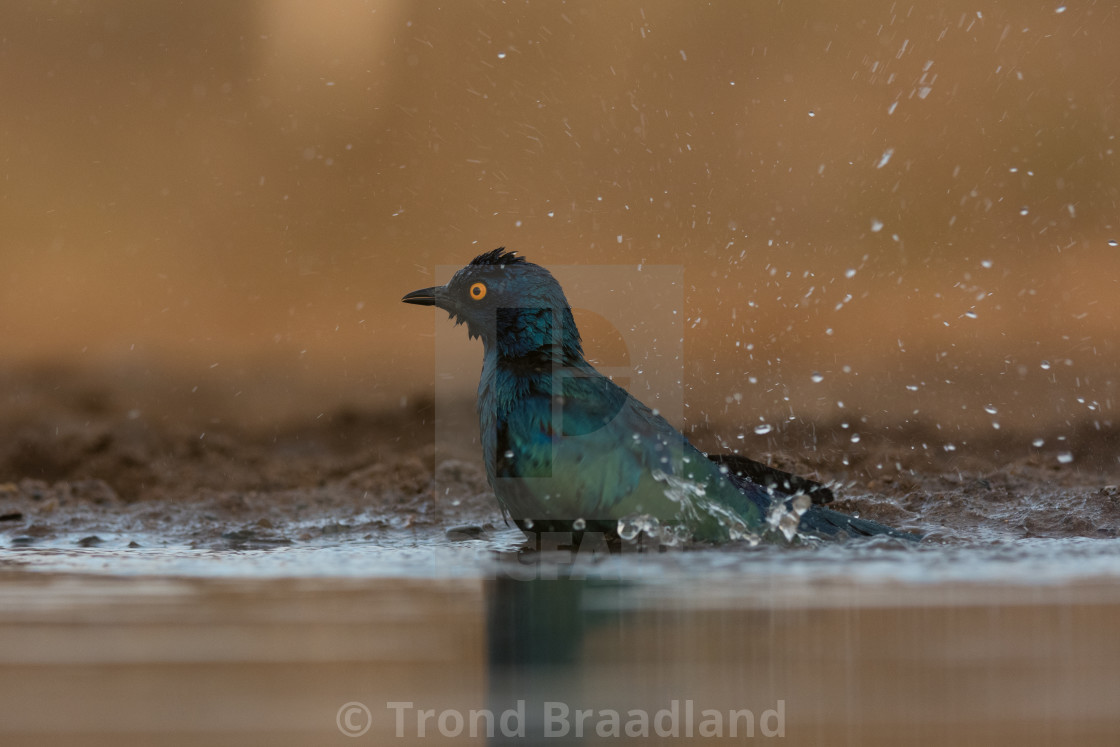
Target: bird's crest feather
x=497, y=257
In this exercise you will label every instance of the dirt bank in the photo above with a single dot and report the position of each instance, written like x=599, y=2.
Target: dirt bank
x=93, y=458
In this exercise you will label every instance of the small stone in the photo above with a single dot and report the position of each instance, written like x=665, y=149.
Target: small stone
x=465, y=532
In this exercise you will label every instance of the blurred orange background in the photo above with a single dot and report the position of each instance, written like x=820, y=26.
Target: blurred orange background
x=921, y=194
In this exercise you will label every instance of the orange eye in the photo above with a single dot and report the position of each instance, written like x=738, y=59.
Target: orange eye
x=478, y=291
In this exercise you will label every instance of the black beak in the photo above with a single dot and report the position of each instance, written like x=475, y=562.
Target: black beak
x=423, y=297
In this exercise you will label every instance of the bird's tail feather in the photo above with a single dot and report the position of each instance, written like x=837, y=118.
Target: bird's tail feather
x=818, y=520
x=742, y=470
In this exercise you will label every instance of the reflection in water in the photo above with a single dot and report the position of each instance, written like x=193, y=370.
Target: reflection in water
x=570, y=656
x=251, y=656
x=534, y=633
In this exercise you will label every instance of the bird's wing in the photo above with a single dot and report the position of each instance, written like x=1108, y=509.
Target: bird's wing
x=567, y=453
x=596, y=453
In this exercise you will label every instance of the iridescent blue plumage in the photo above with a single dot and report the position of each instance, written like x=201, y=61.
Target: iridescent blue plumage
x=565, y=447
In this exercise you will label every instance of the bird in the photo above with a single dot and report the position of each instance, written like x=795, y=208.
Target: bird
x=566, y=449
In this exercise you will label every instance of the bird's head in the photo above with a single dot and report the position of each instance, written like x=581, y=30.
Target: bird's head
x=515, y=306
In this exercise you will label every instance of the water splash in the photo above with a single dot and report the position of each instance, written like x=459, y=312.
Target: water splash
x=695, y=505
x=784, y=521
x=629, y=527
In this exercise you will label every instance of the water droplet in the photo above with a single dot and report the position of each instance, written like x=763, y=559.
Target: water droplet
x=855, y=438
x=1024, y=211
x=812, y=113
x=990, y=409
x=509, y=454
x=950, y=447
x=986, y=264
x=816, y=378
x=1065, y=457
x=801, y=504
x=876, y=225
x=912, y=387
x=628, y=528
x=501, y=55
x=788, y=524
x=885, y=158
x=763, y=429
x=851, y=272
x=1045, y=365
x=579, y=525
x=528, y=523
x=1113, y=242
x=1038, y=442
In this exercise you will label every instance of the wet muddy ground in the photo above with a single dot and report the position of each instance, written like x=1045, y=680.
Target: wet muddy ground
x=98, y=461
